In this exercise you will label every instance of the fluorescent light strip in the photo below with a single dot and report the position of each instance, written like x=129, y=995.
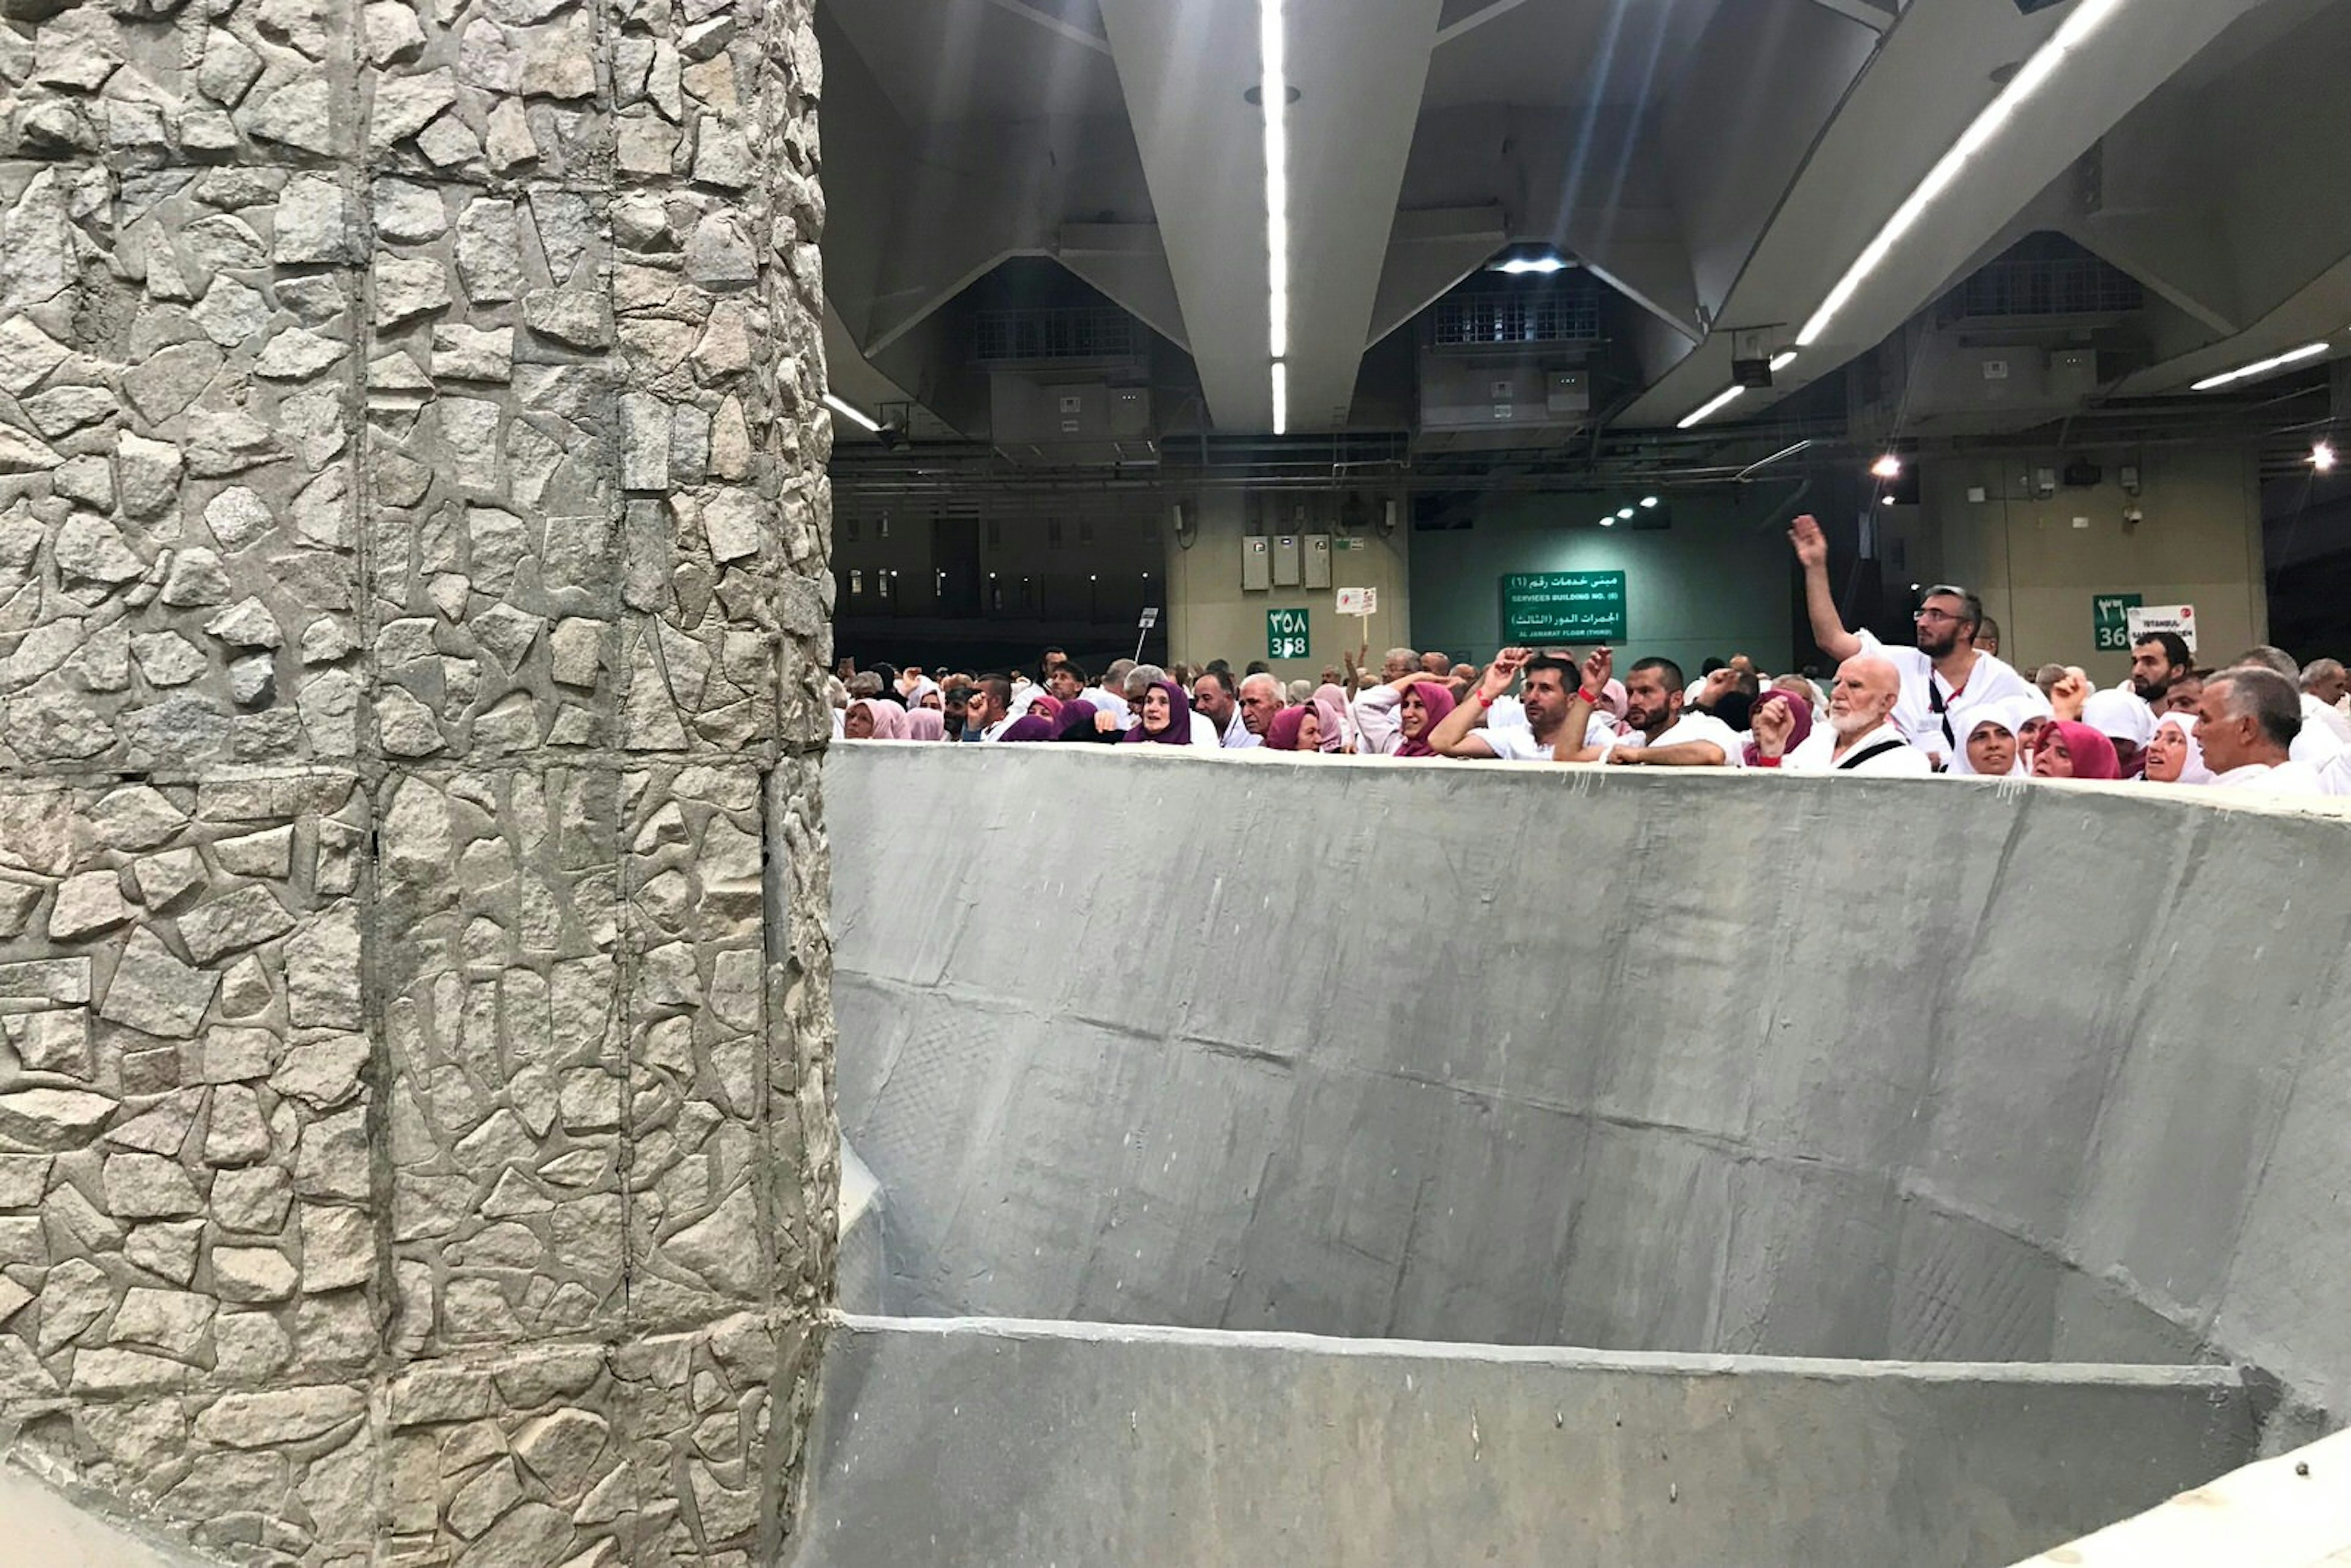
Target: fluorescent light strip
x=2034, y=75
x=1711, y=407
x=1782, y=360
x=1281, y=398
x=1274, y=89
x=852, y=413
x=2260, y=368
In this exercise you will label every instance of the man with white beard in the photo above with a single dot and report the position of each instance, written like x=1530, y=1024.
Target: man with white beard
x=1860, y=736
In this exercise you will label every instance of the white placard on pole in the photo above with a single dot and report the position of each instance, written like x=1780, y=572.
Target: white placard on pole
x=2145, y=621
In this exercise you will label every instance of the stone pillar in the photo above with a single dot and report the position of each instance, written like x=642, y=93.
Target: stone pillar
x=415, y=1136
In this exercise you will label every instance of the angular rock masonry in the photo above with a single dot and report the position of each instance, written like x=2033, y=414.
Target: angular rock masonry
x=415, y=1136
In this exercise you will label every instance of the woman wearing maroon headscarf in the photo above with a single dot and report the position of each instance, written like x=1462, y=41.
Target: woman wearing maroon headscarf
x=1295, y=729
x=1800, y=714
x=2070, y=750
x=1165, y=718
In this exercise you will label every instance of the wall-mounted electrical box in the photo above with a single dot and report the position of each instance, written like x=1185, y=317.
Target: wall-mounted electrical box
x=1318, y=561
x=1285, y=560
x=1257, y=564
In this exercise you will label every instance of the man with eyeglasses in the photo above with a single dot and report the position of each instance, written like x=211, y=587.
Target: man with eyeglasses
x=1946, y=679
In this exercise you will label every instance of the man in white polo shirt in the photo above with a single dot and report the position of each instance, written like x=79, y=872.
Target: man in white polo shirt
x=1946, y=679
x=1543, y=690
x=1860, y=735
x=2247, y=721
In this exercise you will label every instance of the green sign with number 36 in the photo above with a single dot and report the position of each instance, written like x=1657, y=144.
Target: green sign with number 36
x=2110, y=621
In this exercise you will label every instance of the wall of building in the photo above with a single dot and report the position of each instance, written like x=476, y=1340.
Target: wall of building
x=415, y=1010
x=1717, y=583
x=2038, y=561
x=1212, y=617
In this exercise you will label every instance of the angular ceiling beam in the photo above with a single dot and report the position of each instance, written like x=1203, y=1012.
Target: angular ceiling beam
x=1475, y=19
x=1428, y=253
x=1129, y=262
x=1929, y=78
x=1359, y=69
x=1870, y=13
x=1028, y=10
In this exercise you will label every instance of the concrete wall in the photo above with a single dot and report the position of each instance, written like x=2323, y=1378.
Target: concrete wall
x=1013, y=1444
x=1210, y=617
x=1938, y=1070
x=1717, y=583
x=2201, y=544
x=412, y=545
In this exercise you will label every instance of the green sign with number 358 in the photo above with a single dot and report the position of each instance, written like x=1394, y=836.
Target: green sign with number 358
x=1286, y=635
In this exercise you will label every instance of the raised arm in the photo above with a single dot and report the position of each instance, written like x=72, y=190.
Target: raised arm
x=1572, y=747
x=1828, y=626
x=1455, y=735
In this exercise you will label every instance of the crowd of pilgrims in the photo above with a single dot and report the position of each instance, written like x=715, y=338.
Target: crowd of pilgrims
x=1946, y=705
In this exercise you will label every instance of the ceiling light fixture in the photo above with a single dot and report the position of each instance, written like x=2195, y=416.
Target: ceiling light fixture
x=2322, y=457
x=853, y=413
x=1888, y=467
x=2260, y=368
x=1625, y=513
x=1519, y=265
x=1609, y=521
x=2029, y=79
x=1649, y=501
x=1709, y=408
x=1782, y=360
x=1274, y=89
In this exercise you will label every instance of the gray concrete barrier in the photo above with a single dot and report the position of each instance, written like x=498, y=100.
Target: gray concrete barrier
x=947, y=1443
x=1941, y=1070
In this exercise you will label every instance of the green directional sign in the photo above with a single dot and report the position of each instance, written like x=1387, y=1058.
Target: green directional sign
x=1286, y=636
x=1546, y=608
x=2110, y=621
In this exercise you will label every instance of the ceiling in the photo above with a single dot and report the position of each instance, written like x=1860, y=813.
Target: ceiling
x=1717, y=164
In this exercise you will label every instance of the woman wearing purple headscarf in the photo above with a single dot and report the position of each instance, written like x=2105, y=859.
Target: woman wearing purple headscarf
x=1165, y=718
x=1034, y=728
x=1082, y=721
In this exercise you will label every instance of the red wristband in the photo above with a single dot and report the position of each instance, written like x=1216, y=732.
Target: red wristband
x=1592, y=698
x=1485, y=701
x=1767, y=762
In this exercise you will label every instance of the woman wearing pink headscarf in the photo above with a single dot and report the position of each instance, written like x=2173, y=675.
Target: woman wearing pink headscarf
x=874, y=718
x=1331, y=710
x=2070, y=749
x=1396, y=720
x=926, y=723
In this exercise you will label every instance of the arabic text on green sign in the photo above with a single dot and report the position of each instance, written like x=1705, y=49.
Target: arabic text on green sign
x=1549, y=608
